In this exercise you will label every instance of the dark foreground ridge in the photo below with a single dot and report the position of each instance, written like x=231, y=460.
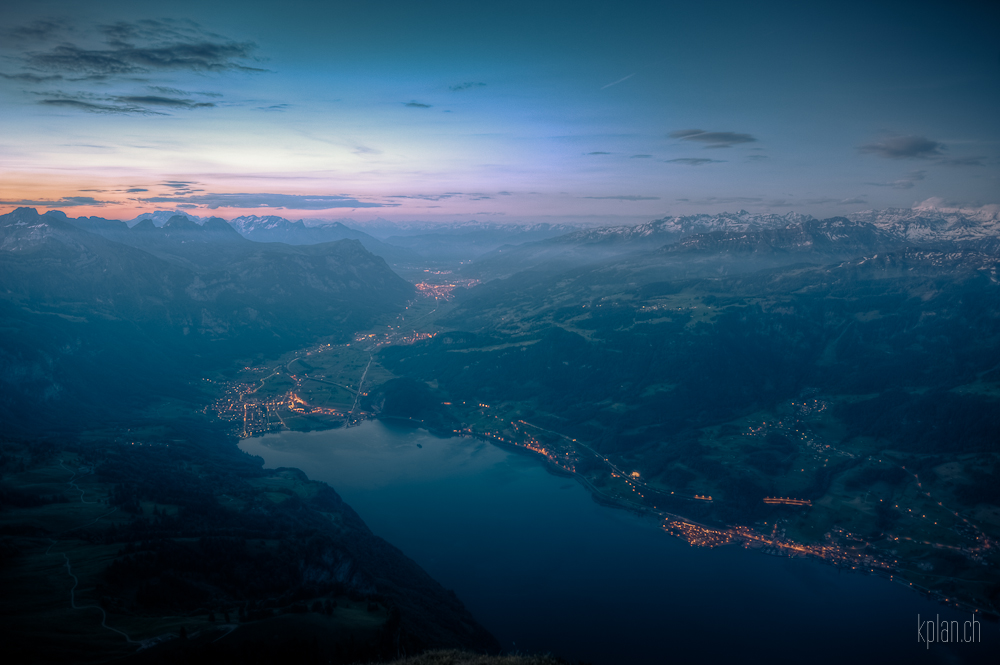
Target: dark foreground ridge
x=175, y=542
x=467, y=658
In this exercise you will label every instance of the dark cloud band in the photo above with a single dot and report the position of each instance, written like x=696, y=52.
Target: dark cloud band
x=292, y=201
x=712, y=139
x=93, y=107
x=130, y=49
x=694, y=161
x=64, y=202
x=624, y=198
x=904, y=147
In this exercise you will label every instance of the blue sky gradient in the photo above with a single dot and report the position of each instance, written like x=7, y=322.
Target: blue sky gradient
x=574, y=111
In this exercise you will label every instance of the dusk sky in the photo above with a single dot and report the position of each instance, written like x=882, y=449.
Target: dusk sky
x=573, y=112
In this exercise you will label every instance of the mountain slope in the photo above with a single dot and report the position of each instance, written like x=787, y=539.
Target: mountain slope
x=278, y=229
x=86, y=317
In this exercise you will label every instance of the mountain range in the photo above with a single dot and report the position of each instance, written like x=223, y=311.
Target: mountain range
x=782, y=238
x=119, y=308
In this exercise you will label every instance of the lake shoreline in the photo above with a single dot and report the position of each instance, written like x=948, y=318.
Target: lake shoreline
x=499, y=528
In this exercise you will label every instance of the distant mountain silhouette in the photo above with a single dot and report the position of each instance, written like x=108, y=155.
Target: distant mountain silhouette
x=278, y=229
x=791, y=236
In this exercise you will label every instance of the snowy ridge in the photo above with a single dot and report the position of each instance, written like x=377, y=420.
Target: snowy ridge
x=930, y=225
x=948, y=262
x=836, y=235
x=384, y=228
x=919, y=225
x=248, y=224
x=667, y=227
x=161, y=217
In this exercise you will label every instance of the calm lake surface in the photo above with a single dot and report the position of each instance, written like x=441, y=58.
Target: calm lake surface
x=545, y=568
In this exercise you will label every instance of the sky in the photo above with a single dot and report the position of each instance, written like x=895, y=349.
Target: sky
x=569, y=112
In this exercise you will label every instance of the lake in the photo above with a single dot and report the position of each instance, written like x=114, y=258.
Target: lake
x=545, y=568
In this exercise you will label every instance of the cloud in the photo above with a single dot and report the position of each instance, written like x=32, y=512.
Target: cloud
x=197, y=57
x=64, y=202
x=904, y=147
x=906, y=182
x=28, y=77
x=274, y=107
x=89, y=146
x=694, y=161
x=465, y=86
x=472, y=196
x=503, y=193
x=37, y=31
x=773, y=203
x=171, y=102
x=640, y=156
x=793, y=203
x=625, y=198
x=122, y=52
x=135, y=189
x=245, y=200
x=757, y=158
x=712, y=139
x=417, y=105
x=163, y=90
x=722, y=200
x=122, y=104
x=598, y=153
x=938, y=204
x=146, y=46
x=91, y=107
x=182, y=187
x=423, y=197
x=963, y=161
x=785, y=203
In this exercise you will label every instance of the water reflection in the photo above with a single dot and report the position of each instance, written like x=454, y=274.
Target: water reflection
x=545, y=568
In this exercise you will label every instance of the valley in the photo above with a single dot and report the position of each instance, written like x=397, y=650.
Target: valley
x=792, y=476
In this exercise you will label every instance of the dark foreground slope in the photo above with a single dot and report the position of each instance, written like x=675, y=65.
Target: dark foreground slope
x=466, y=658
x=176, y=540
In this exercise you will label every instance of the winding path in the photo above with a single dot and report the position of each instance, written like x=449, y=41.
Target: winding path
x=69, y=568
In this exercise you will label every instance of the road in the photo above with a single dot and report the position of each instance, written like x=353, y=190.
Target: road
x=361, y=383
